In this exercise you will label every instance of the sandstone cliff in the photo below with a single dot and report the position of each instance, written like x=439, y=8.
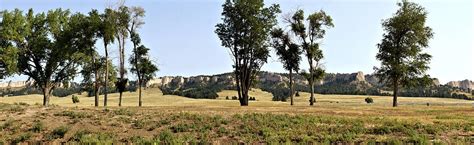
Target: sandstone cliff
x=464, y=84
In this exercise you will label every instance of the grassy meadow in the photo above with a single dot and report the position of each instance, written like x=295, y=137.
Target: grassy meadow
x=175, y=119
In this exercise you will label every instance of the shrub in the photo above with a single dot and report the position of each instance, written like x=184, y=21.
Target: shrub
x=59, y=132
x=369, y=100
x=227, y=97
x=252, y=98
x=75, y=99
x=37, y=126
x=235, y=98
x=22, y=137
x=297, y=94
x=166, y=136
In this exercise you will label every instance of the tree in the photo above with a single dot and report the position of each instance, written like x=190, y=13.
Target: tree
x=122, y=23
x=107, y=32
x=245, y=29
x=141, y=65
x=289, y=54
x=94, y=73
x=138, y=58
x=310, y=39
x=402, y=61
x=95, y=21
x=50, y=46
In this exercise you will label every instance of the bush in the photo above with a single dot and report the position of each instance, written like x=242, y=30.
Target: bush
x=22, y=137
x=227, y=97
x=75, y=99
x=37, y=126
x=297, y=94
x=235, y=98
x=59, y=132
x=369, y=100
x=252, y=98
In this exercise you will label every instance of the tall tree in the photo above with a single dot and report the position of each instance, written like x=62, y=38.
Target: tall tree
x=95, y=21
x=141, y=65
x=245, y=30
x=310, y=39
x=122, y=23
x=402, y=61
x=94, y=73
x=289, y=54
x=50, y=46
x=107, y=32
x=136, y=21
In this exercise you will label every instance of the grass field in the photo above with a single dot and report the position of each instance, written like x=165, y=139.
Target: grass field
x=175, y=119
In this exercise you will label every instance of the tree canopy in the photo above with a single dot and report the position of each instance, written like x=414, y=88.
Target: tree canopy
x=403, y=62
x=49, y=45
x=245, y=31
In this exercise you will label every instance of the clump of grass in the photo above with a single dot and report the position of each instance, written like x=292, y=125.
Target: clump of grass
x=123, y=111
x=73, y=114
x=166, y=136
x=21, y=104
x=139, y=123
x=59, y=132
x=22, y=137
x=85, y=136
x=38, y=126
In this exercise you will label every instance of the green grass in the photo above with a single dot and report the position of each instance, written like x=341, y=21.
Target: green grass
x=169, y=119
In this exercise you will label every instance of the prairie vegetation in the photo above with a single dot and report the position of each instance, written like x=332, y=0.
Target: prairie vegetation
x=176, y=119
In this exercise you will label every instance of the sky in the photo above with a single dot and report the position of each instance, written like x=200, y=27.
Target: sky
x=180, y=34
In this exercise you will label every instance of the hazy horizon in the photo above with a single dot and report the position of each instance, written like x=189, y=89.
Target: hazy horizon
x=181, y=34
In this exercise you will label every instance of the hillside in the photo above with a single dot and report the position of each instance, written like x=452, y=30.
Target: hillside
x=277, y=83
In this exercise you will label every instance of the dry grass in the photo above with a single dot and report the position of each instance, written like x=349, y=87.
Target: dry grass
x=154, y=97
x=448, y=118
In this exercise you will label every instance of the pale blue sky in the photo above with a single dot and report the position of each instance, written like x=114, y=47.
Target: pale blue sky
x=181, y=34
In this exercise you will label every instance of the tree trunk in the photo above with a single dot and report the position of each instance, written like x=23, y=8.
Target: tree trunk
x=395, y=93
x=120, y=98
x=291, y=87
x=46, y=95
x=311, y=83
x=96, y=84
x=106, y=74
x=244, y=101
x=139, y=92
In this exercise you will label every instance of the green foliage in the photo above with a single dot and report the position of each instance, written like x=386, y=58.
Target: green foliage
x=289, y=54
x=85, y=136
x=287, y=51
x=59, y=132
x=95, y=63
x=141, y=64
x=318, y=22
x=198, y=91
x=369, y=100
x=38, y=126
x=50, y=46
x=75, y=99
x=73, y=114
x=122, y=111
x=403, y=62
x=22, y=137
x=166, y=136
x=245, y=30
x=63, y=92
